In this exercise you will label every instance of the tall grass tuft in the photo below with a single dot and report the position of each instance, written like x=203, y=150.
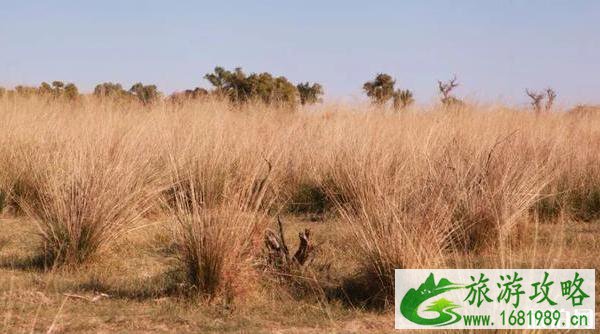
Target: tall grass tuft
x=218, y=208
x=87, y=195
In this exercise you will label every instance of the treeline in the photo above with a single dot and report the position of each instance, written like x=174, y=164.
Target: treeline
x=239, y=88
x=235, y=86
x=56, y=90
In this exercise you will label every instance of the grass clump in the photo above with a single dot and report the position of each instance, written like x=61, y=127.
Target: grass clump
x=87, y=198
x=217, y=223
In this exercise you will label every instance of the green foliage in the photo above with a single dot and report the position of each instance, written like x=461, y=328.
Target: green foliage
x=241, y=88
x=309, y=94
x=452, y=102
x=59, y=90
x=56, y=90
x=146, y=94
x=381, y=89
x=402, y=99
x=195, y=93
x=2, y=92
x=189, y=94
x=71, y=92
x=45, y=90
x=109, y=89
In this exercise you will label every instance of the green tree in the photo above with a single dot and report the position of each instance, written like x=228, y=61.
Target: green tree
x=58, y=85
x=381, y=89
x=195, y=93
x=45, y=90
x=309, y=94
x=189, y=94
x=233, y=85
x=109, y=89
x=241, y=88
x=147, y=94
x=71, y=92
x=402, y=99
x=58, y=90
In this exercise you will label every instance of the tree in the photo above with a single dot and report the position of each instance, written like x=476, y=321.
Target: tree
x=196, y=93
x=109, y=89
x=551, y=95
x=381, y=89
x=233, y=85
x=45, y=89
x=218, y=78
x=189, y=94
x=71, y=92
x=241, y=88
x=537, y=99
x=58, y=90
x=146, y=94
x=2, y=92
x=309, y=94
x=445, y=89
x=402, y=99
x=58, y=85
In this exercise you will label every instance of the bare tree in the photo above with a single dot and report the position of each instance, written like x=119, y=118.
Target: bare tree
x=551, y=95
x=536, y=100
x=445, y=89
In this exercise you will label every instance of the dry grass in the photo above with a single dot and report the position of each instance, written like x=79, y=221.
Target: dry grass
x=481, y=187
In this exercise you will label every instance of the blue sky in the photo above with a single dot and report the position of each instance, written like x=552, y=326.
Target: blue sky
x=496, y=48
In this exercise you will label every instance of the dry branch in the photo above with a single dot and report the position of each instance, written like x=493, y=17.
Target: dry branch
x=278, y=251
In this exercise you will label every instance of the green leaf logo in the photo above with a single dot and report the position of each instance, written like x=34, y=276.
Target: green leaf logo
x=426, y=291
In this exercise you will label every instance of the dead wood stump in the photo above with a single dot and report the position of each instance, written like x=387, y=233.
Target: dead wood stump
x=278, y=254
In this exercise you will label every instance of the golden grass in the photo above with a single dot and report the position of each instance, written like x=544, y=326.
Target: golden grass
x=423, y=188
